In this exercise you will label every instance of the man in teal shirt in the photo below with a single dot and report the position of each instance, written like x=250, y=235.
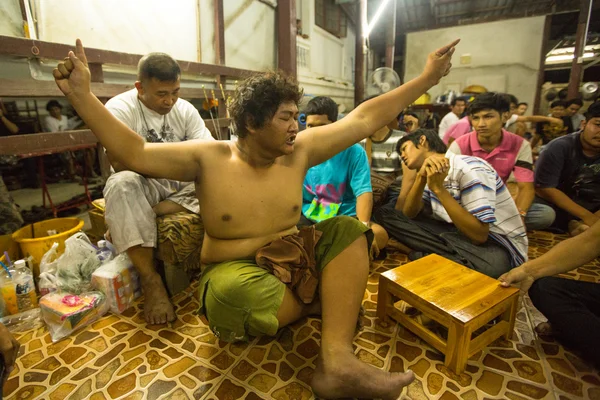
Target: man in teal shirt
x=340, y=185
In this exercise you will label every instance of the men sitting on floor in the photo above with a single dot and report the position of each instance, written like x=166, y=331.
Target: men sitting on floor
x=509, y=154
x=133, y=201
x=457, y=110
x=567, y=175
x=457, y=207
x=572, y=307
x=516, y=122
x=545, y=131
x=463, y=126
x=250, y=195
x=340, y=185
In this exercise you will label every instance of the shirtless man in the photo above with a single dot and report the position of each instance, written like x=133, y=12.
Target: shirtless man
x=250, y=195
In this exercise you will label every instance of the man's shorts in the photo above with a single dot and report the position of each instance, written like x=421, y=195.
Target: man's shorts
x=241, y=299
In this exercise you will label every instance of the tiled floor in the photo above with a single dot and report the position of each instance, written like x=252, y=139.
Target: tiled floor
x=120, y=357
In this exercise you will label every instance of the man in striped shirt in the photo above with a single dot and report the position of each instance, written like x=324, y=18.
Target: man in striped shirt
x=457, y=207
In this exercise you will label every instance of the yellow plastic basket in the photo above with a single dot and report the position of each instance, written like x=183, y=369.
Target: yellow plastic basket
x=35, y=241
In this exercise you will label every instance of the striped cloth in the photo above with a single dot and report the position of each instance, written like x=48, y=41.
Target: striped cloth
x=476, y=186
x=385, y=159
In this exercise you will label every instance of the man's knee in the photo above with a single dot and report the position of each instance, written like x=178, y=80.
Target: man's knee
x=541, y=289
x=540, y=217
x=124, y=182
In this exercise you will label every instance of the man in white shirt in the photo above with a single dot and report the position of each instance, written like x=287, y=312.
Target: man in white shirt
x=456, y=112
x=57, y=122
x=154, y=111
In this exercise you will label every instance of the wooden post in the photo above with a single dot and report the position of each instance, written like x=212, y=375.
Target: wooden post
x=542, y=68
x=583, y=22
x=286, y=37
x=359, y=63
x=219, y=32
x=219, y=23
x=390, y=36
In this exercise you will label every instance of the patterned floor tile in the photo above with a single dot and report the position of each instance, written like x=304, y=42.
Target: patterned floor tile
x=121, y=357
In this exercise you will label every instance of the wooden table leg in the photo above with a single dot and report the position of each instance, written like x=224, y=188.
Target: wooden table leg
x=510, y=315
x=457, y=352
x=384, y=300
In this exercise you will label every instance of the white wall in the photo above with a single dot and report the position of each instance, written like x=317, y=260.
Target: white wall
x=139, y=26
x=11, y=22
x=330, y=69
x=505, y=55
x=250, y=37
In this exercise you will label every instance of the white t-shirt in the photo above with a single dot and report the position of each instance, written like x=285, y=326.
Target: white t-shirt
x=446, y=122
x=51, y=124
x=513, y=118
x=182, y=123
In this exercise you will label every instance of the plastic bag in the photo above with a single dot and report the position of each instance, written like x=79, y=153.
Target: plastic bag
x=50, y=260
x=76, y=265
x=47, y=281
x=119, y=281
x=30, y=319
x=65, y=313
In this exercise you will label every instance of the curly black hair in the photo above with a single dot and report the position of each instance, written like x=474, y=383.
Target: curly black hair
x=257, y=98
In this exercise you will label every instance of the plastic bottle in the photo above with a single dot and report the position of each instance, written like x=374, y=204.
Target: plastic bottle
x=24, y=286
x=9, y=294
x=2, y=307
x=105, y=251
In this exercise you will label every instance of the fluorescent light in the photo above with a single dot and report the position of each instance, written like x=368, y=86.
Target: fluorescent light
x=567, y=57
x=376, y=17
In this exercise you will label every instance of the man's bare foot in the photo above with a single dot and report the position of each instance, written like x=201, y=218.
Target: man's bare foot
x=157, y=306
x=576, y=227
x=394, y=244
x=341, y=374
x=544, y=329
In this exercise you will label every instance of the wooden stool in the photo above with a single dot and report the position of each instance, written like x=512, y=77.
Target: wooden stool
x=455, y=296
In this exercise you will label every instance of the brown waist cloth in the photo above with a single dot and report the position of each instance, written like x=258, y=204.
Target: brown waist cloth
x=292, y=260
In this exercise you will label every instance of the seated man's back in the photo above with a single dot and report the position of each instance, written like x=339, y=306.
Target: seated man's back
x=332, y=188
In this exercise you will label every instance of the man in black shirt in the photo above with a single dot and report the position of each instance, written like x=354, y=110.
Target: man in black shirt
x=567, y=175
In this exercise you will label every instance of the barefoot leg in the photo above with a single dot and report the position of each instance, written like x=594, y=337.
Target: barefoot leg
x=339, y=373
x=157, y=306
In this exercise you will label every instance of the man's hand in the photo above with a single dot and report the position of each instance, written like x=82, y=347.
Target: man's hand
x=436, y=162
x=438, y=63
x=590, y=219
x=517, y=276
x=9, y=348
x=435, y=179
x=73, y=76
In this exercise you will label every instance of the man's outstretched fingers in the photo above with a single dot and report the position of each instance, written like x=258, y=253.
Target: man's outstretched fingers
x=80, y=52
x=443, y=50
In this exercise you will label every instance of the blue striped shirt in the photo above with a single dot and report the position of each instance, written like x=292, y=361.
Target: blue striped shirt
x=476, y=186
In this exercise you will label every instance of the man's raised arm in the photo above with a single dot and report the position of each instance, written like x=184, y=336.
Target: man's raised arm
x=326, y=141
x=160, y=160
